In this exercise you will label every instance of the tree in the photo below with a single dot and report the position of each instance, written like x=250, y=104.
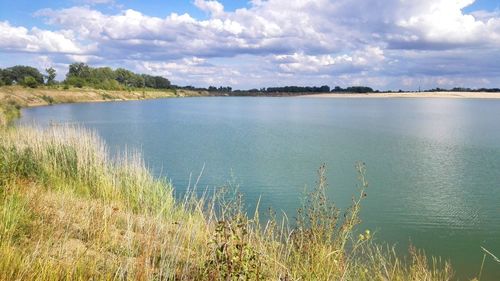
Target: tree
x=324, y=89
x=29, y=81
x=79, y=69
x=16, y=74
x=1, y=78
x=337, y=89
x=80, y=75
x=359, y=89
x=161, y=82
x=124, y=77
x=51, y=75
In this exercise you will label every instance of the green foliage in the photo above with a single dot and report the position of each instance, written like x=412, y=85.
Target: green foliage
x=323, y=241
x=2, y=82
x=125, y=77
x=298, y=89
x=232, y=255
x=18, y=73
x=75, y=81
x=51, y=76
x=77, y=159
x=80, y=70
x=353, y=89
x=80, y=75
x=15, y=216
x=8, y=112
x=18, y=163
x=29, y=81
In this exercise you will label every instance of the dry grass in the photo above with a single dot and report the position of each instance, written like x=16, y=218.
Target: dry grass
x=52, y=95
x=9, y=111
x=68, y=212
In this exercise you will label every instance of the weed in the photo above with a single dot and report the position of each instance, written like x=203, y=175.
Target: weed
x=48, y=99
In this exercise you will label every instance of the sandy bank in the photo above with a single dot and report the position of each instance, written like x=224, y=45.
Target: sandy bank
x=27, y=97
x=466, y=95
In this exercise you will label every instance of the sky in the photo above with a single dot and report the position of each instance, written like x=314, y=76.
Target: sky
x=384, y=44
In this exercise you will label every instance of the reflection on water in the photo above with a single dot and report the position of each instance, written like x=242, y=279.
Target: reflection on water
x=433, y=164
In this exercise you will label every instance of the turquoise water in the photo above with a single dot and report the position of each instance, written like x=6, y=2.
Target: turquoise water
x=433, y=164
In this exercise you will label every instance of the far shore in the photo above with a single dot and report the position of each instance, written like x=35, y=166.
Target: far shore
x=28, y=97
x=458, y=95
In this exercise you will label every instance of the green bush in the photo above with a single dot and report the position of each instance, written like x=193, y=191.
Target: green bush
x=75, y=81
x=232, y=255
x=30, y=81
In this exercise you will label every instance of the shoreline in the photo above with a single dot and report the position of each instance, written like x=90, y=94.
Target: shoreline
x=454, y=95
x=28, y=97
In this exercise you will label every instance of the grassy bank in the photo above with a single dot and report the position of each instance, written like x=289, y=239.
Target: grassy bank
x=48, y=95
x=69, y=212
x=9, y=111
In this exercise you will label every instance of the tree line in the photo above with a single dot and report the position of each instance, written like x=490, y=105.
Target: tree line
x=82, y=75
x=286, y=89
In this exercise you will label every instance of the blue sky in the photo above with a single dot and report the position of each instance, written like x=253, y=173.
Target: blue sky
x=246, y=44
x=20, y=12
x=489, y=5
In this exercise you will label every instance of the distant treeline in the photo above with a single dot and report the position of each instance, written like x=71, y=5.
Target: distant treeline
x=491, y=90
x=22, y=75
x=82, y=75
x=285, y=90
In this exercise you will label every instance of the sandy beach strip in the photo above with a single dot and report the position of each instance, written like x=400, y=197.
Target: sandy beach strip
x=459, y=95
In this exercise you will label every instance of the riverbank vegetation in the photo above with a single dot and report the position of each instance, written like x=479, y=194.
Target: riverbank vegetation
x=9, y=111
x=70, y=212
x=81, y=75
x=25, y=97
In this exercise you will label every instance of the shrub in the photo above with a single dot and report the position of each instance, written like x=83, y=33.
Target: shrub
x=30, y=81
x=75, y=81
x=232, y=255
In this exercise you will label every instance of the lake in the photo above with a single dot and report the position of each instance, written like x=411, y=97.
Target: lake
x=433, y=164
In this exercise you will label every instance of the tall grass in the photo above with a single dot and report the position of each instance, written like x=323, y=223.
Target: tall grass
x=70, y=212
x=9, y=111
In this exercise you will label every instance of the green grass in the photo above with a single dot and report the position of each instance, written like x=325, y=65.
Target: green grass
x=9, y=111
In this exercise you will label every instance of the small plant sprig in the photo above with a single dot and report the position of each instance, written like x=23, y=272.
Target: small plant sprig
x=232, y=256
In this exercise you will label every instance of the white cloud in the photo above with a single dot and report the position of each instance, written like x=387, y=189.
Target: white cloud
x=39, y=41
x=189, y=69
x=444, y=21
x=366, y=59
x=215, y=8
